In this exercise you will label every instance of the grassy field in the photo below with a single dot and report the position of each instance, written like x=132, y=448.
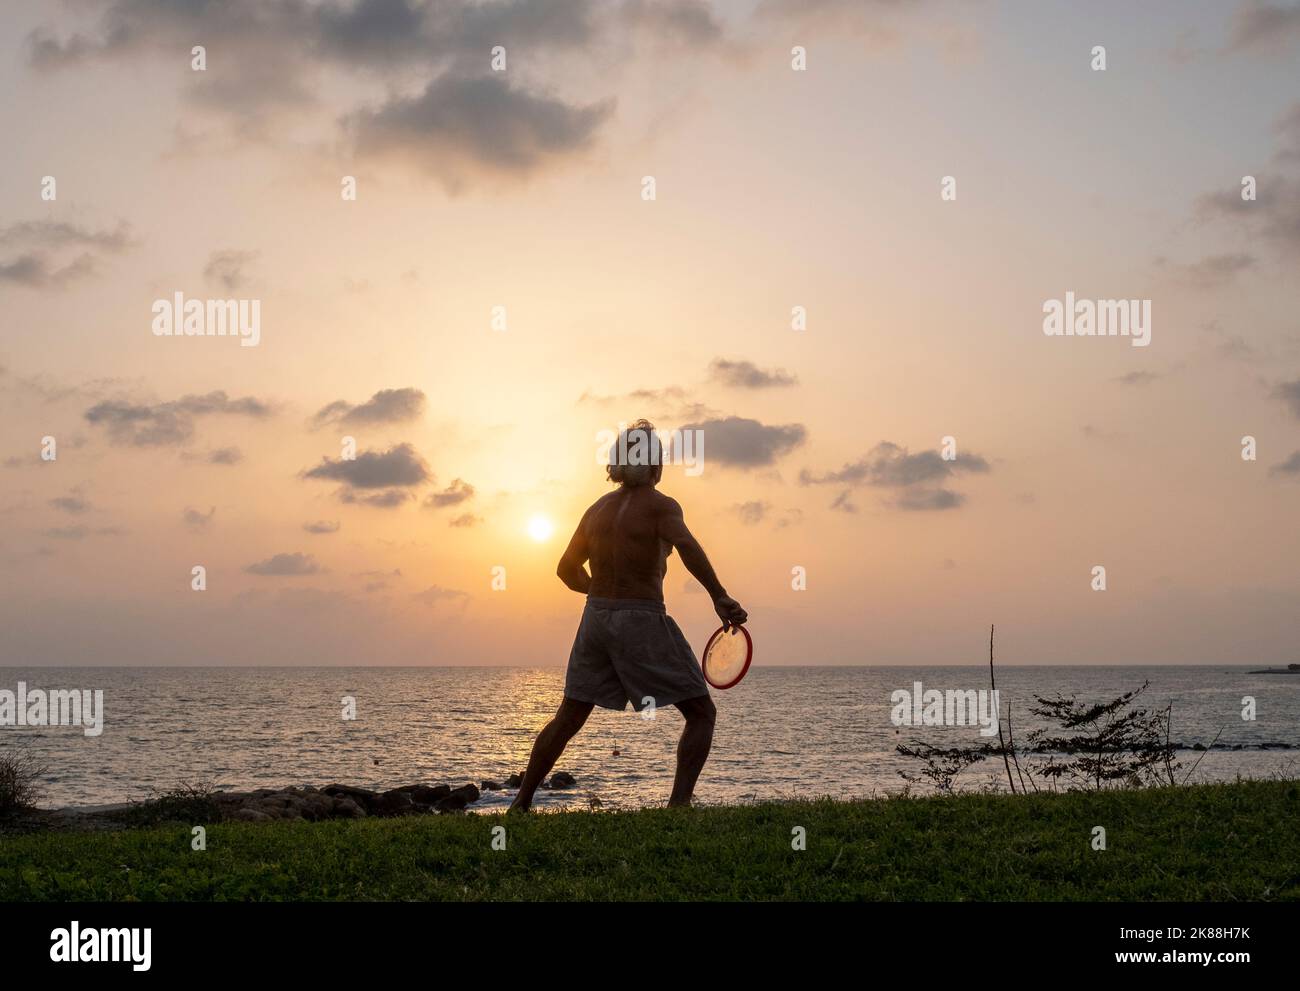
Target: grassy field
x=1215, y=842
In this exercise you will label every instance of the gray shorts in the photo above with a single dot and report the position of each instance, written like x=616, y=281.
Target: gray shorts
x=630, y=650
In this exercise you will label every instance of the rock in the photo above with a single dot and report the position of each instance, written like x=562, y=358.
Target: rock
x=393, y=803
x=514, y=781
x=455, y=802
x=347, y=801
x=424, y=795
x=347, y=808
x=470, y=792
x=362, y=796
x=563, y=779
x=318, y=807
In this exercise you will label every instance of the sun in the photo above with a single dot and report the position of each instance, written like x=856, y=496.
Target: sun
x=540, y=528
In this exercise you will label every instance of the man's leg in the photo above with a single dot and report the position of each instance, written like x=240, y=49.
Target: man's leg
x=551, y=742
x=693, y=748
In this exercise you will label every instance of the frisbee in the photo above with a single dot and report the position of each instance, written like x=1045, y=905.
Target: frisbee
x=727, y=656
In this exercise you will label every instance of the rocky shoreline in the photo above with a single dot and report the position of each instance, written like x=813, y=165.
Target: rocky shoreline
x=303, y=803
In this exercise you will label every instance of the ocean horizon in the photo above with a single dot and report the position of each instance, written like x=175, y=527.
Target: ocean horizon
x=784, y=732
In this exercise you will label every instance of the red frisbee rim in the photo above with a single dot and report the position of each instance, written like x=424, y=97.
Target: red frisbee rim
x=749, y=656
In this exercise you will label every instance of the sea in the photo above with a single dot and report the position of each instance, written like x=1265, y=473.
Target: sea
x=782, y=733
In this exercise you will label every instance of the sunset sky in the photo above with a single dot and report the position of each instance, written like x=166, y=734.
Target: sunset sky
x=775, y=189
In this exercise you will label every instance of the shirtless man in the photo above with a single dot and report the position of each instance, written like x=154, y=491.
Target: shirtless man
x=628, y=649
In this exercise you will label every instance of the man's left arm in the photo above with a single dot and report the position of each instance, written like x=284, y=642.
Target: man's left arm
x=572, y=567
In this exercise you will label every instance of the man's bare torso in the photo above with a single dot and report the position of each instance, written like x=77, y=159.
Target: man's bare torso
x=628, y=553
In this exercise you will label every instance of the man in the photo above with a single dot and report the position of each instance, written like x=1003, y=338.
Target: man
x=627, y=648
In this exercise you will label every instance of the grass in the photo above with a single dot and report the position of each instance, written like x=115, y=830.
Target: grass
x=1206, y=842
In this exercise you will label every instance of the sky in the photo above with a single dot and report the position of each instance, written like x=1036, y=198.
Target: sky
x=503, y=287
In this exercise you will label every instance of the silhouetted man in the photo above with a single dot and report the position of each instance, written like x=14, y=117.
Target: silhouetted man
x=628, y=649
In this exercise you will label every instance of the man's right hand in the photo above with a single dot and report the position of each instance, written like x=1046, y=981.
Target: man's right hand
x=729, y=611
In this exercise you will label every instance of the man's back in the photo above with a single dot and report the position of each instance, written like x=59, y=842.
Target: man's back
x=627, y=550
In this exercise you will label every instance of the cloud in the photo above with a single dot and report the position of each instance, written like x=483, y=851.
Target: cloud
x=465, y=520
x=398, y=467
x=1274, y=216
x=169, y=423
x=1271, y=28
x=35, y=271
x=284, y=565
x=1101, y=433
x=272, y=63
x=453, y=495
x=364, y=34
x=385, y=406
x=641, y=397
x=198, y=520
x=53, y=254
x=1291, y=466
x=744, y=443
x=460, y=129
x=1289, y=393
x=378, y=32
x=434, y=594
x=1138, y=378
x=876, y=21
x=917, y=476
x=843, y=503
x=1287, y=126
x=227, y=269
x=752, y=512
x=890, y=465
x=1212, y=271
x=73, y=503
x=689, y=23
x=54, y=234
x=225, y=456
x=82, y=532
x=379, y=580
x=217, y=456
x=387, y=499
x=747, y=375
x=262, y=48
x=322, y=526
x=925, y=500
x=279, y=67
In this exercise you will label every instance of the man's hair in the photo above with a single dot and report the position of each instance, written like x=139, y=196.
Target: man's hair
x=636, y=458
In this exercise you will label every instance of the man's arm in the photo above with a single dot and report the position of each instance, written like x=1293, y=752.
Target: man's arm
x=672, y=528
x=571, y=569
